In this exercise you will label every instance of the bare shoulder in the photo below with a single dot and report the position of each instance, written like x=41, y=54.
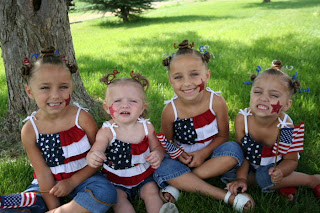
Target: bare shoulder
x=167, y=112
x=85, y=118
x=218, y=102
x=28, y=134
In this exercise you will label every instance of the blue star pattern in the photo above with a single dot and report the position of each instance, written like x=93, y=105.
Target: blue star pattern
x=251, y=149
x=119, y=155
x=50, y=146
x=184, y=131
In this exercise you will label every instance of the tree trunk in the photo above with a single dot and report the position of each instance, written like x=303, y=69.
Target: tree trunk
x=27, y=26
x=125, y=14
x=266, y=0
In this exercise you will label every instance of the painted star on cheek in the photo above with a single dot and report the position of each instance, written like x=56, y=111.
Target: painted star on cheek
x=201, y=86
x=112, y=111
x=276, y=107
x=68, y=100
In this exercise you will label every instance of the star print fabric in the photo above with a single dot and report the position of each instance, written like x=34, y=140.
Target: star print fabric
x=184, y=131
x=116, y=160
x=51, y=149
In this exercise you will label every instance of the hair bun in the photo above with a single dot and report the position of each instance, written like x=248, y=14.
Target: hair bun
x=48, y=51
x=277, y=64
x=253, y=76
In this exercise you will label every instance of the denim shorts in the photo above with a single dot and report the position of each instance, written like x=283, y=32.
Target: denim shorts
x=261, y=174
x=96, y=194
x=134, y=191
x=170, y=169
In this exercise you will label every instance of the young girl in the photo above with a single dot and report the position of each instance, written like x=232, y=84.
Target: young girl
x=57, y=138
x=197, y=120
x=272, y=158
x=127, y=145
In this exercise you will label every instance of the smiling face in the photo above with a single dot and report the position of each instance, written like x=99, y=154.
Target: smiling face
x=124, y=102
x=51, y=87
x=269, y=96
x=188, y=75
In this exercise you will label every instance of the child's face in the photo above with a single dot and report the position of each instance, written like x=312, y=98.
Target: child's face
x=124, y=102
x=269, y=96
x=188, y=76
x=51, y=87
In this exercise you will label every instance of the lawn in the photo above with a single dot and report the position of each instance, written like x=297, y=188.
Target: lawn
x=242, y=34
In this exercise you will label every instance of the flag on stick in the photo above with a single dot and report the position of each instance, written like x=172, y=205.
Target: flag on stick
x=172, y=148
x=23, y=199
x=289, y=140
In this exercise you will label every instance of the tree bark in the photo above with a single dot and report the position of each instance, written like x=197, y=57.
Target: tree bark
x=27, y=26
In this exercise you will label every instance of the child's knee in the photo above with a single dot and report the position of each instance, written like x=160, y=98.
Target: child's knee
x=149, y=190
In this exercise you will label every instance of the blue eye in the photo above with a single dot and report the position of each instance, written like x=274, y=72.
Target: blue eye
x=64, y=87
x=178, y=77
x=44, y=88
x=194, y=74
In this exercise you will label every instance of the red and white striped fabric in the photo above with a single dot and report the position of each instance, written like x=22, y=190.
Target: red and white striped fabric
x=171, y=149
x=292, y=140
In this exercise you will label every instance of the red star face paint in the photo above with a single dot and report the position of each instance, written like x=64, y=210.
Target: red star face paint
x=112, y=111
x=201, y=86
x=276, y=107
x=68, y=100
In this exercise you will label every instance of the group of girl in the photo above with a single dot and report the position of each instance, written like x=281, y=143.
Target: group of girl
x=66, y=149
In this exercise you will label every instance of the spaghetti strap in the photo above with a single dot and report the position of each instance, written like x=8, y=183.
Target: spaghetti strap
x=111, y=127
x=211, y=98
x=78, y=113
x=144, y=122
x=283, y=123
x=31, y=117
x=173, y=106
x=245, y=114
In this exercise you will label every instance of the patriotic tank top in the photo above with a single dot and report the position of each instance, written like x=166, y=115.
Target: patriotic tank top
x=64, y=152
x=126, y=164
x=290, y=140
x=195, y=133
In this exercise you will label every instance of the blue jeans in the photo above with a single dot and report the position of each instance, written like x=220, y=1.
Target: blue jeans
x=96, y=194
x=136, y=189
x=170, y=169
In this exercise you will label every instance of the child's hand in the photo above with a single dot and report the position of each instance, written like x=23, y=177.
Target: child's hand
x=197, y=159
x=276, y=175
x=235, y=186
x=95, y=159
x=185, y=158
x=62, y=188
x=154, y=158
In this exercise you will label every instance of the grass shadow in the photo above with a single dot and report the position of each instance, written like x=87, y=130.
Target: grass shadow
x=280, y=5
x=145, y=21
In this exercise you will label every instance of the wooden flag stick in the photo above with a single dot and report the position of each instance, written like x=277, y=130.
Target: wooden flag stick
x=278, y=142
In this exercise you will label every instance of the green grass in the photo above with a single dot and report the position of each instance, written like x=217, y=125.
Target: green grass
x=242, y=34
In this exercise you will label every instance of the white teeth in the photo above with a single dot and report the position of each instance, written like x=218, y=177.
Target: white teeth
x=187, y=91
x=262, y=107
x=54, y=104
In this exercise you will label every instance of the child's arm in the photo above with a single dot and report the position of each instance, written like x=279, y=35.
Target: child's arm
x=167, y=120
x=157, y=151
x=220, y=107
x=287, y=165
x=66, y=186
x=242, y=172
x=96, y=156
x=44, y=176
x=285, y=168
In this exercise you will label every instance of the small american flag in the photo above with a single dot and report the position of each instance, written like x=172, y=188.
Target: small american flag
x=291, y=140
x=23, y=199
x=171, y=149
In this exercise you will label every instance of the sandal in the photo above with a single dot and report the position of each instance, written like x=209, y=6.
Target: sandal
x=169, y=208
x=174, y=192
x=239, y=201
x=316, y=191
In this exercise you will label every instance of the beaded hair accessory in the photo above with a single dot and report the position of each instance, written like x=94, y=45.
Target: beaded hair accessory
x=109, y=78
x=28, y=62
